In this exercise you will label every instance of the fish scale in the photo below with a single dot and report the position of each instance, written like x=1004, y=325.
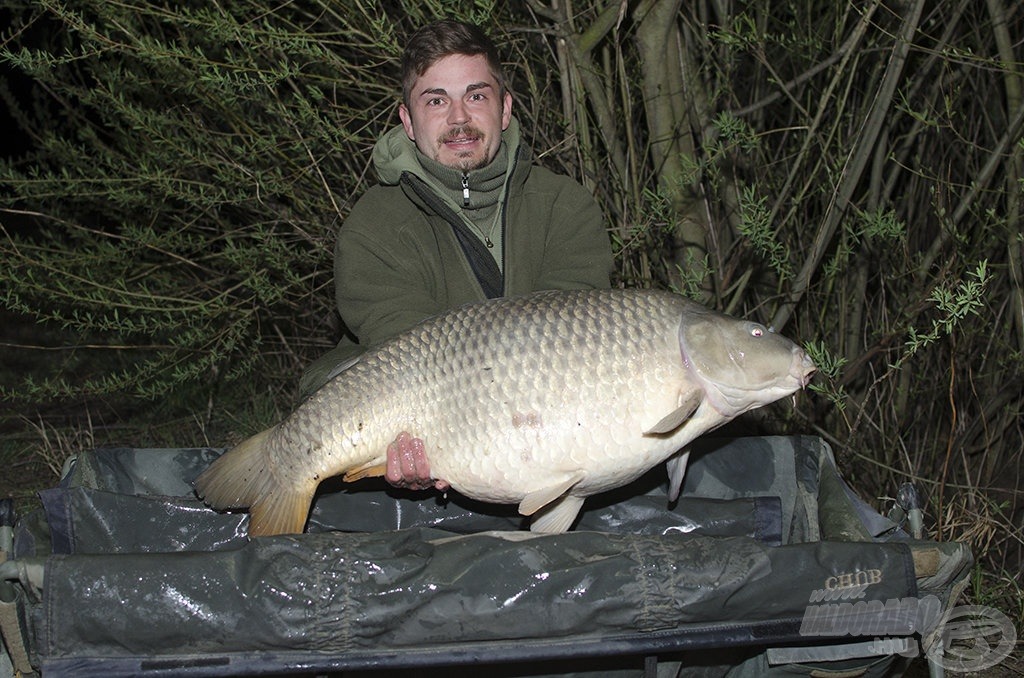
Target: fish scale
x=563, y=419
x=540, y=400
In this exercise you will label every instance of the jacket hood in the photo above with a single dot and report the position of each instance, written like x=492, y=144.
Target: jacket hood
x=395, y=153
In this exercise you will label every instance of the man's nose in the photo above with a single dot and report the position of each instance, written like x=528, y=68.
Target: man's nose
x=457, y=113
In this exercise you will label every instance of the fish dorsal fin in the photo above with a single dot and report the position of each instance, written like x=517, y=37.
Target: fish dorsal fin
x=538, y=499
x=676, y=417
x=338, y=369
x=558, y=516
x=676, y=473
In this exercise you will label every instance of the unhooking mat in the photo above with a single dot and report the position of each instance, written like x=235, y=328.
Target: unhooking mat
x=745, y=575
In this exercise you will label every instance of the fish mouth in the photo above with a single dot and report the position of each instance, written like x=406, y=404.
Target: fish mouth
x=802, y=368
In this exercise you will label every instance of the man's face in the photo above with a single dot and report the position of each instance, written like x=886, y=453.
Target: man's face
x=456, y=112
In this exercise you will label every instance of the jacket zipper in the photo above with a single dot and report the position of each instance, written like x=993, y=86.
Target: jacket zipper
x=445, y=212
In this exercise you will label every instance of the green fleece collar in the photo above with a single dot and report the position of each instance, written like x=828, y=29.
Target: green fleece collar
x=395, y=154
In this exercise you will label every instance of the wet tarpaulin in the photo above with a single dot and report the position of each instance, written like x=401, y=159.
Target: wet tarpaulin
x=141, y=577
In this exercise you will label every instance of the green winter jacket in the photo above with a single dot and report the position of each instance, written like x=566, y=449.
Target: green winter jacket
x=411, y=248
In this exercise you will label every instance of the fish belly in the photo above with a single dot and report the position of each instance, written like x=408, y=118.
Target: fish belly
x=521, y=442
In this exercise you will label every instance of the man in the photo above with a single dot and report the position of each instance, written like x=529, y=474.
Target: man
x=460, y=214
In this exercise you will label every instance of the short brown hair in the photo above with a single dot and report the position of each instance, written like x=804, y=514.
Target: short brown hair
x=443, y=38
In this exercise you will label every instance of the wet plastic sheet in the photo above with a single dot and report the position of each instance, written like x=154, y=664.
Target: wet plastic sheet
x=342, y=594
x=145, y=579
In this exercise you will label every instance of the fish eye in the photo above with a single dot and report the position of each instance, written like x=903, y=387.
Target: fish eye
x=757, y=331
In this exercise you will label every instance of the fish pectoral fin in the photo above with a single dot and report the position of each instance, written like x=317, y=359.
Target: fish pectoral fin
x=558, y=516
x=676, y=472
x=676, y=417
x=538, y=499
x=370, y=470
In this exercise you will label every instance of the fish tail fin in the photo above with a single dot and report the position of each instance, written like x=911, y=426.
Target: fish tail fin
x=242, y=478
x=279, y=513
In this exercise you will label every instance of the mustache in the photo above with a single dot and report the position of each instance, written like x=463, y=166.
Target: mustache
x=461, y=131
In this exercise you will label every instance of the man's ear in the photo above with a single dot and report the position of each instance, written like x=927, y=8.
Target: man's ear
x=406, y=117
x=506, y=110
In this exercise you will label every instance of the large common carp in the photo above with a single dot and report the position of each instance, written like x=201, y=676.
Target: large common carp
x=543, y=400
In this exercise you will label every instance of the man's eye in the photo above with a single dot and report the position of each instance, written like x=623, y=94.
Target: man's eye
x=436, y=101
x=477, y=97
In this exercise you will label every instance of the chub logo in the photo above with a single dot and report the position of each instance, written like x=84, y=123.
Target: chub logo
x=846, y=586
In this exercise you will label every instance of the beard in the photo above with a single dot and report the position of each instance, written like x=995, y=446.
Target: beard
x=465, y=161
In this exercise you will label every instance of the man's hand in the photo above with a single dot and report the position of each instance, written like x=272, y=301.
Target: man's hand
x=408, y=466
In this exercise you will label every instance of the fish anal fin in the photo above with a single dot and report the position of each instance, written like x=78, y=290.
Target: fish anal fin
x=676, y=417
x=538, y=499
x=676, y=472
x=370, y=470
x=558, y=516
